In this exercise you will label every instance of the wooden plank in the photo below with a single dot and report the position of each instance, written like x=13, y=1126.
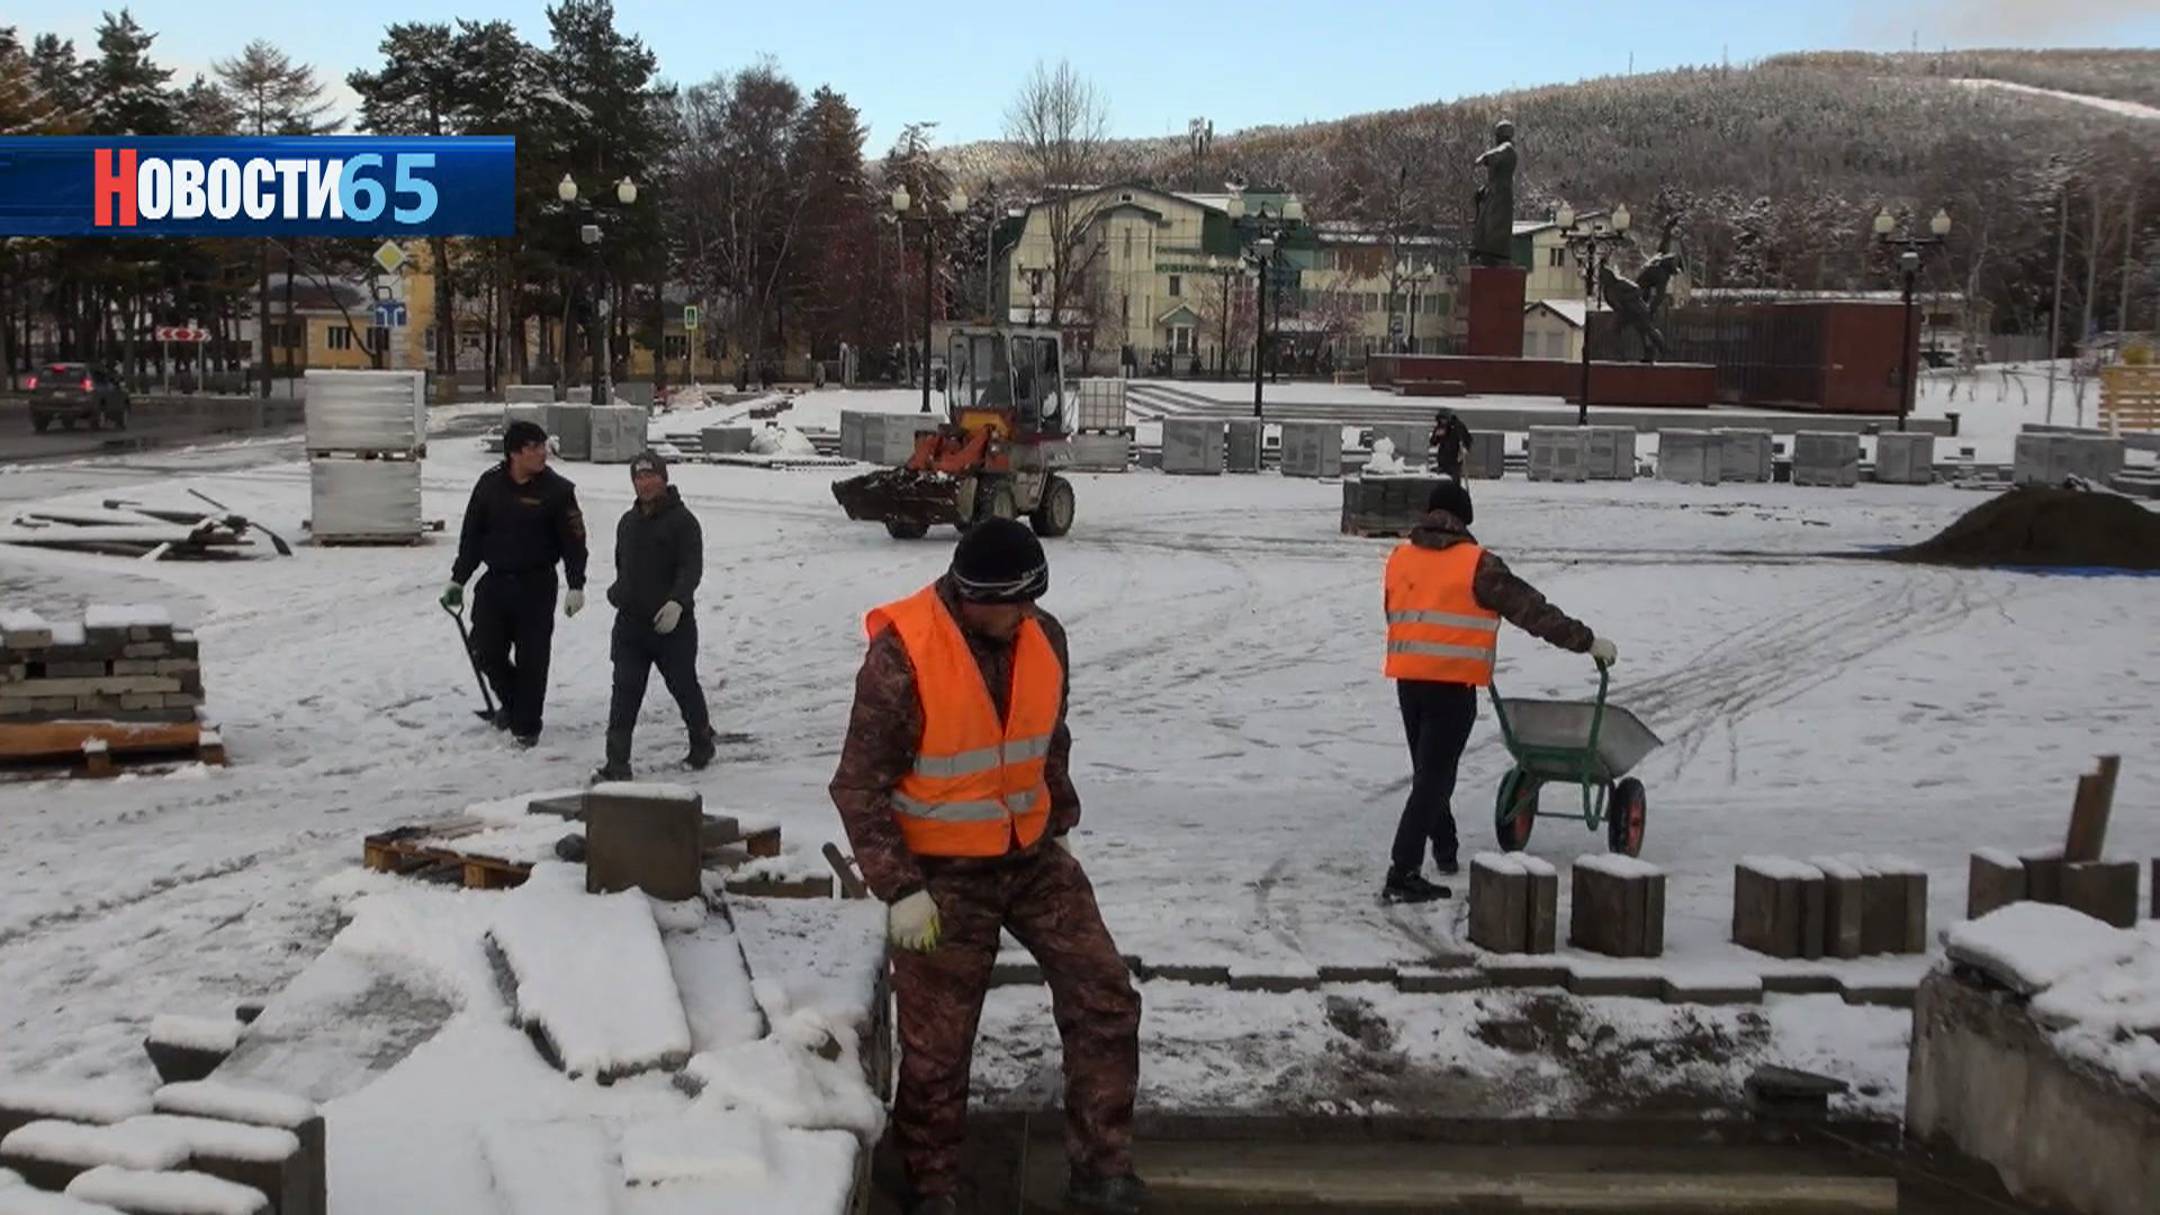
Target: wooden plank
x=65, y=739
x=2090, y=811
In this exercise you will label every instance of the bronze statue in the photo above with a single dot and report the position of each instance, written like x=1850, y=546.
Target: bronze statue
x=1639, y=300
x=1492, y=239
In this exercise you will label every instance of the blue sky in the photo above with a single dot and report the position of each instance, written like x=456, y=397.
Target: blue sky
x=1160, y=64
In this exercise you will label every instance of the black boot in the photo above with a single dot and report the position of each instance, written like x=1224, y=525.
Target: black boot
x=1121, y=1195
x=500, y=719
x=611, y=771
x=702, y=751
x=1410, y=886
x=1447, y=866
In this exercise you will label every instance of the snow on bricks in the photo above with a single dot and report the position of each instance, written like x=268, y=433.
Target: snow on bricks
x=147, y=1193
x=22, y=1200
x=190, y=1048
x=1514, y=903
x=1838, y=907
x=591, y=976
x=49, y=1155
x=22, y=1103
x=1618, y=906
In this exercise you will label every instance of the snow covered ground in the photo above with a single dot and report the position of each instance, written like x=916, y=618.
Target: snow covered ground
x=1238, y=753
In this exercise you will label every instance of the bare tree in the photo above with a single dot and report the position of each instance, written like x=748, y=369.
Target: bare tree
x=1061, y=129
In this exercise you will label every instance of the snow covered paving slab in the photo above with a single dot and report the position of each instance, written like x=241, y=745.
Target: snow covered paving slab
x=1239, y=756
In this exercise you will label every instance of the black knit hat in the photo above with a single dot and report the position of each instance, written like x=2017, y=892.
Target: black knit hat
x=520, y=435
x=648, y=461
x=1000, y=561
x=1450, y=496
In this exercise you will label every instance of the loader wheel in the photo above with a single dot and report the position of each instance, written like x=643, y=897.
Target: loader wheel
x=1054, y=515
x=1000, y=504
x=906, y=529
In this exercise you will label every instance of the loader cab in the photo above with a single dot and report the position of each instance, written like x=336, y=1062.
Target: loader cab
x=1016, y=372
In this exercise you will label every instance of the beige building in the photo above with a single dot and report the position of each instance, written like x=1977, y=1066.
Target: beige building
x=1553, y=329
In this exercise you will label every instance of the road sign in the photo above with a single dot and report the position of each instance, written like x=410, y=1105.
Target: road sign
x=179, y=333
x=390, y=256
x=690, y=316
x=389, y=314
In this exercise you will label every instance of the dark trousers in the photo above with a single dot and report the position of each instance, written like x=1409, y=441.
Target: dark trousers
x=1436, y=719
x=515, y=612
x=1048, y=905
x=636, y=649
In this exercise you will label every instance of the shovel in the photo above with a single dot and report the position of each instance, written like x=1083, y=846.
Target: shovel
x=465, y=642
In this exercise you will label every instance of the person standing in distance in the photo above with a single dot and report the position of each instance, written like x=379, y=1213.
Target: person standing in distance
x=659, y=558
x=523, y=518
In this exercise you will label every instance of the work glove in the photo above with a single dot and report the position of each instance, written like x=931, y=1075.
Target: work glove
x=1603, y=652
x=665, y=620
x=912, y=923
x=573, y=603
x=453, y=597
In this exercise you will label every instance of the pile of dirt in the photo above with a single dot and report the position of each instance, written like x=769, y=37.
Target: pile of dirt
x=2047, y=527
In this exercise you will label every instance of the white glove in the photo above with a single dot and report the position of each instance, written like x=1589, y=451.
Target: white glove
x=573, y=603
x=912, y=923
x=1603, y=651
x=665, y=620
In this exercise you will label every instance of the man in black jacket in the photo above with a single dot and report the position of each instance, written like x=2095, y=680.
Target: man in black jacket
x=659, y=558
x=522, y=519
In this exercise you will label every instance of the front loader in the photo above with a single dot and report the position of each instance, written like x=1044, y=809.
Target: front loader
x=1007, y=429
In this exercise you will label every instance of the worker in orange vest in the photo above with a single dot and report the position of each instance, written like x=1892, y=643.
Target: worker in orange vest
x=1445, y=598
x=954, y=789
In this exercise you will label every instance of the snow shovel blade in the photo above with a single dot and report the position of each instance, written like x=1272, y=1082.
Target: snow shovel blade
x=900, y=494
x=465, y=642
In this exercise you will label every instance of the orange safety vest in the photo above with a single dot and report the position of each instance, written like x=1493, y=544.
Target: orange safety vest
x=1437, y=631
x=977, y=787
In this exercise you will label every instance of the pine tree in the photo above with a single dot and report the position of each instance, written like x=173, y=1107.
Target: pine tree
x=274, y=95
x=833, y=293
x=61, y=79
x=128, y=91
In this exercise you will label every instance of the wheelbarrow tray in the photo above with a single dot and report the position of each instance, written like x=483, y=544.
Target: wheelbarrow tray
x=1549, y=738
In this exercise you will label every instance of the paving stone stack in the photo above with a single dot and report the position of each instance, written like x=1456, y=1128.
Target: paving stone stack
x=1612, y=453
x=1514, y=903
x=117, y=664
x=529, y=394
x=1384, y=506
x=1617, y=906
x=1749, y=455
x=1311, y=449
x=1193, y=446
x=618, y=432
x=2052, y=457
x=1243, y=445
x=735, y=440
x=366, y=435
x=1905, y=458
x=1105, y=451
x=1559, y=453
x=1487, y=457
x=1691, y=457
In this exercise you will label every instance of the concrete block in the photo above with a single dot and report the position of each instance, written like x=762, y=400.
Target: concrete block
x=1111, y=452
x=1994, y=879
x=1207, y=976
x=1559, y=453
x=570, y=426
x=2043, y=874
x=529, y=394
x=76, y=670
x=1499, y=904
x=1618, y=907
x=1486, y=459
x=95, y=1104
x=734, y=440
x=1826, y=458
x=1690, y=457
x=1311, y=449
x=1711, y=989
x=1611, y=455
x=272, y=1161
x=1893, y=916
x=1772, y=899
x=1905, y=458
x=1193, y=446
x=1544, y=908
x=1242, y=445
x=1800, y=983
x=645, y=837
x=1782, y=1092
x=2105, y=890
x=1746, y=454
x=1356, y=974
x=1274, y=982
x=1641, y=986
x=1525, y=971
x=1425, y=981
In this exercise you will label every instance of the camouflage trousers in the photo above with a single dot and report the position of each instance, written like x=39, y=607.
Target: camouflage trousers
x=1045, y=901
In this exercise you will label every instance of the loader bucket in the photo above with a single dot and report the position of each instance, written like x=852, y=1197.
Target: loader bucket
x=905, y=495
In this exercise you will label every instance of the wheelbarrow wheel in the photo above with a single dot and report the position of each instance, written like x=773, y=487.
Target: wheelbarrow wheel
x=1515, y=810
x=1625, y=815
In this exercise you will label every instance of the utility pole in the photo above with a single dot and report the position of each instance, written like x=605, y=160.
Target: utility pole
x=2122, y=310
x=2062, y=248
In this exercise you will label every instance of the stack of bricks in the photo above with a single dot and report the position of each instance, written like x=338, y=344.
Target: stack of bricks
x=191, y=1147
x=116, y=664
x=1829, y=907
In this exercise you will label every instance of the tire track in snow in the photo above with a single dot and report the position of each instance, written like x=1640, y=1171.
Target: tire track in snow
x=36, y=926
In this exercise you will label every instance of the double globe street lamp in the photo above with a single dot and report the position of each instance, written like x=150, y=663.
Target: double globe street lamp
x=1912, y=250
x=902, y=203
x=603, y=391
x=1266, y=232
x=1590, y=247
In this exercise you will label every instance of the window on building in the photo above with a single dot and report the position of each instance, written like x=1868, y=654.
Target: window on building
x=341, y=338
x=1556, y=256
x=1181, y=339
x=1177, y=286
x=676, y=346
x=1372, y=301
x=287, y=334
x=1128, y=244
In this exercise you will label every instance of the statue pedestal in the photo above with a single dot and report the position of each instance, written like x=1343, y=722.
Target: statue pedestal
x=1494, y=296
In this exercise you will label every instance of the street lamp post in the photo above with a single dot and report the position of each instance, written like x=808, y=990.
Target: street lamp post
x=1266, y=231
x=1412, y=274
x=589, y=232
x=1911, y=251
x=953, y=206
x=1589, y=246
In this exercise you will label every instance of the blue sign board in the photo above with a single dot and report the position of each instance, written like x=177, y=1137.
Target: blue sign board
x=325, y=185
x=390, y=313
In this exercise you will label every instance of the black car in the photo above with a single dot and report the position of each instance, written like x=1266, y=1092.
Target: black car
x=65, y=392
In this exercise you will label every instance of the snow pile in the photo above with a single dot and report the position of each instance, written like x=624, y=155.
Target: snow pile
x=726, y=1146
x=71, y=1143
x=592, y=974
x=221, y=1140
x=647, y=791
x=126, y=616
x=212, y=1035
x=22, y=1200
x=75, y=1102
x=551, y=1166
x=2032, y=946
x=166, y=1193
x=804, y=1075
x=234, y=1103
x=781, y=441
x=2094, y=988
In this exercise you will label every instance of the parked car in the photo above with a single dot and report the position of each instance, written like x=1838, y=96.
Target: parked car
x=67, y=392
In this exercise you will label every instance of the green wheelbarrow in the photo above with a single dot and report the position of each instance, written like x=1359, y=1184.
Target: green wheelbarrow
x=1590, y=744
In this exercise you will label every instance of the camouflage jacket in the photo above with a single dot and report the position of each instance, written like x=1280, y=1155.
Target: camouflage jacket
x=886, y=726
x=1498, y=589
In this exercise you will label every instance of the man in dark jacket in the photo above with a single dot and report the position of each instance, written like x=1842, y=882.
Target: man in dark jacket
x=659, y=558
x=947, y=907
x=1443, y=626
x=522, y=519
x=1450, y=440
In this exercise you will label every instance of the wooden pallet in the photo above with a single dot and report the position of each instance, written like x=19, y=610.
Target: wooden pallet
x=430, y=850
x=367, y=453
x=2129, y=399
x=34, y=750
